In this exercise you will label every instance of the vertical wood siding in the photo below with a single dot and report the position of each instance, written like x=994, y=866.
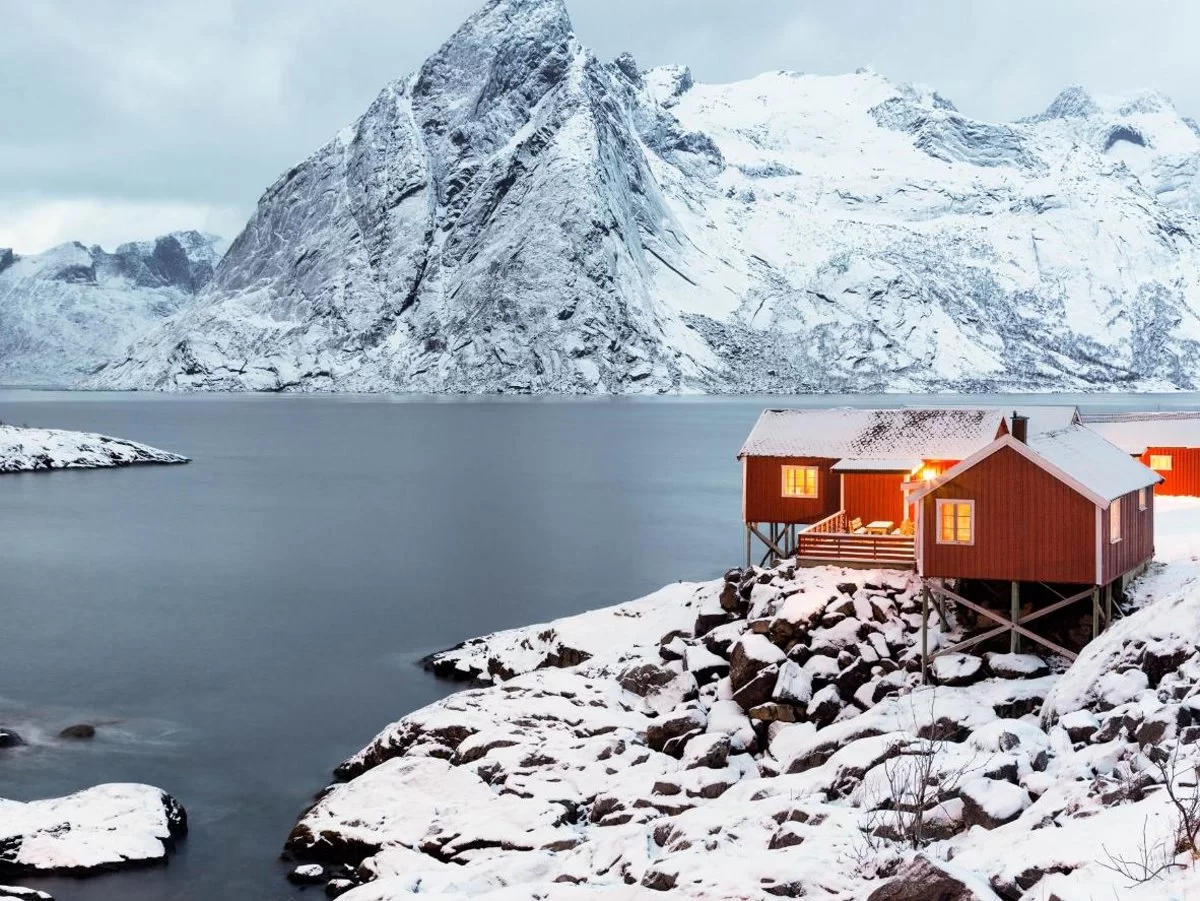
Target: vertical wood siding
x=873, y=495
x=764, y=491
x=1029, y=526
x=1184, y=476
x=1137, y=536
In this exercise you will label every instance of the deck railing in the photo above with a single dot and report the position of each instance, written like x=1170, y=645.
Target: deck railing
x=834, y=523
x=844, y=547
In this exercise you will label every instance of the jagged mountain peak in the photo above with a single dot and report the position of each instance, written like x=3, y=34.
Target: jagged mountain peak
x=518, y=216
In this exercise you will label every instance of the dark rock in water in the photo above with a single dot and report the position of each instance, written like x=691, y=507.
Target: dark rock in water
x=80, y=730
x=335, y=888
x=923, y=880
x=10, y=739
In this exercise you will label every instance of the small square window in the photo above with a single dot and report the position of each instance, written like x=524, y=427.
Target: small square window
x=955, y=522
x=1160, y=462
x=1141, y=498
x=800, y=481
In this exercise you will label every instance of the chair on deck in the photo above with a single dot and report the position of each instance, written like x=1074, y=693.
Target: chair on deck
x=856, y=526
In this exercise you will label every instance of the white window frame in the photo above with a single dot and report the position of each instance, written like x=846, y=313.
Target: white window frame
x=1114, y=521
x=1159, y=460
x=944, y=502
x=1142, y=499
x=783, y=481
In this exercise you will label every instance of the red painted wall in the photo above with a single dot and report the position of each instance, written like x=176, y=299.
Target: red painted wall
x=1184, y=476
x=871, y=496
x=1029, y=526
x=1137, y=536
x=763, y=499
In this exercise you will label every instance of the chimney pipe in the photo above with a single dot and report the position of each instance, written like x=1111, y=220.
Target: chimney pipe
x=1020, y=427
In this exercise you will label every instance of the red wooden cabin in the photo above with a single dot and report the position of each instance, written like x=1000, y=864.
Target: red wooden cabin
x=1168, y=443
x=1064, y=507
x=832, y=484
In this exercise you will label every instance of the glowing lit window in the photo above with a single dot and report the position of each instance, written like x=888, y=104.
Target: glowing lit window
x=1114, y=521
x=1141, y=498
x=1160, y=462
x=799, y=481
x=956, y=522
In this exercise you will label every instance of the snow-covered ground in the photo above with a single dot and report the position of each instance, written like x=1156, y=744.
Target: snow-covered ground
x=25, y=450
x=101, y=828
x=766, y=735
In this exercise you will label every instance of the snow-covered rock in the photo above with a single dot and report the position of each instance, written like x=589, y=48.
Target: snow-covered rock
x=26, y=450
x=70, y=309
x=16, y=893
x=517, y=215
x=618, y=776
x=101, y=828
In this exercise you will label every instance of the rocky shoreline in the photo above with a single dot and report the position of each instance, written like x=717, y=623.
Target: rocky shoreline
x=767, y=735
x=25, y=449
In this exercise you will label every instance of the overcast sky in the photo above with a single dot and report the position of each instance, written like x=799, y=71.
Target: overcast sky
x=123, y=119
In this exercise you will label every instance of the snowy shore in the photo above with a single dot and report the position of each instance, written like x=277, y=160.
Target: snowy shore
x=766, y=735
x=27, y=450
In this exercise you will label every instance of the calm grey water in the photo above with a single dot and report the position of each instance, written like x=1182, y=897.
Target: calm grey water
x=243, y=623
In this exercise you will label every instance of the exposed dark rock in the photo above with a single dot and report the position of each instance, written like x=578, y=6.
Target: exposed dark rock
x=645, y=678
x=923, y=880
x=81, y=730
x=10, y=739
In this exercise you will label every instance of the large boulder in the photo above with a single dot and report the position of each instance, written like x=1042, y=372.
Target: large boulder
x=751, y=654
x=925, y=880
x=991, y=802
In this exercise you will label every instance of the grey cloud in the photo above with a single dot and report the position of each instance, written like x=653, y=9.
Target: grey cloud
x=182, y=102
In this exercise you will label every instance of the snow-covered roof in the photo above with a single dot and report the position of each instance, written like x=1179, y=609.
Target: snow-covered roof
x=1045, y=418
x=947, y=434
x=1134, y=432
x=852, y=465
x=1075, y=455
x=1092, y=461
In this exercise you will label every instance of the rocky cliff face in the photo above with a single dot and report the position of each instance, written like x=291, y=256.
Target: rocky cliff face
x=520, y=216
x=64, y=312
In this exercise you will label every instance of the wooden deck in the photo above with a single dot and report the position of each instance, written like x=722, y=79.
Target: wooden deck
x=829, y=542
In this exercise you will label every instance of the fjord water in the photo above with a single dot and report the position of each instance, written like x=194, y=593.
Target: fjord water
x=239, y=625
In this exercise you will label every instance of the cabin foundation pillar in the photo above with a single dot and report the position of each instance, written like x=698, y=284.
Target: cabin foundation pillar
x=1014, y=643
x=749, y=542
x=924, y=633
x=1108, y=605
x=1095, y=611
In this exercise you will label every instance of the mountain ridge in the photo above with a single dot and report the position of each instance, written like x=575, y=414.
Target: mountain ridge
x=518, y=215
x=63, y=311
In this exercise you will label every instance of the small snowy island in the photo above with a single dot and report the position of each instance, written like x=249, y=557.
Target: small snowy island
x=29, y=450
x=767, y=735
x=106, y=827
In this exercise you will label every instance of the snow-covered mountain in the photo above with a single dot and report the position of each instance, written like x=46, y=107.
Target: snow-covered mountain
x=518, y=215
x=68, y=310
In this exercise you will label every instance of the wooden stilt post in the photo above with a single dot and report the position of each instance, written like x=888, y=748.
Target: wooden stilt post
x=749, y=540
x=1095, y=611
x=924, y=634
x=1014, y=643
x=1108, y=605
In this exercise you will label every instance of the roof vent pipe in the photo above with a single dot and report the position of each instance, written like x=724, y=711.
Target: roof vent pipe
x=1020, y=427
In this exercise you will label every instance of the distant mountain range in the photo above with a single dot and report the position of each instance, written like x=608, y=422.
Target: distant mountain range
x=65, y=312
x=518, y=215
